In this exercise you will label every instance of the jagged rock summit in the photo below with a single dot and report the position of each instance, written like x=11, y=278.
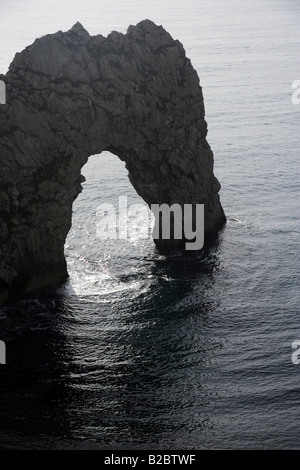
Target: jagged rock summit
x=71, y=95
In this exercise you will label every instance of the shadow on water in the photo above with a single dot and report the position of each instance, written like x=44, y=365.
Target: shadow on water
x=34, y=394
x=131, y=373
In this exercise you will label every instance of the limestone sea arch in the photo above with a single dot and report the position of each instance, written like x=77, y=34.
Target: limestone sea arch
x=71, y=95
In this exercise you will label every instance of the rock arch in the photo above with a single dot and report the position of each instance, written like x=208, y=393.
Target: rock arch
x=70, y=95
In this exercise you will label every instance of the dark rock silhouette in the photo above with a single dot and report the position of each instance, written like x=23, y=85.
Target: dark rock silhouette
x=70, y=95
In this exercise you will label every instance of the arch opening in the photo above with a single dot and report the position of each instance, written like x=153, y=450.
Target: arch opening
x=96, y=259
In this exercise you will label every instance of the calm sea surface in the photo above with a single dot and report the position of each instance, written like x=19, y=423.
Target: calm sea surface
x=140, y=350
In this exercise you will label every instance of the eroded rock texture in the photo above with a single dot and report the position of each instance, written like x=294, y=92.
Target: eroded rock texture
x=71, y=95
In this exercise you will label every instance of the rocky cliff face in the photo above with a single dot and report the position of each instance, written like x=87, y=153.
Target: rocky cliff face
x=71, y=95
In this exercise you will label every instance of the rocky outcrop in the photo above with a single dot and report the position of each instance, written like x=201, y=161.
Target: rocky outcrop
x=70, y=95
